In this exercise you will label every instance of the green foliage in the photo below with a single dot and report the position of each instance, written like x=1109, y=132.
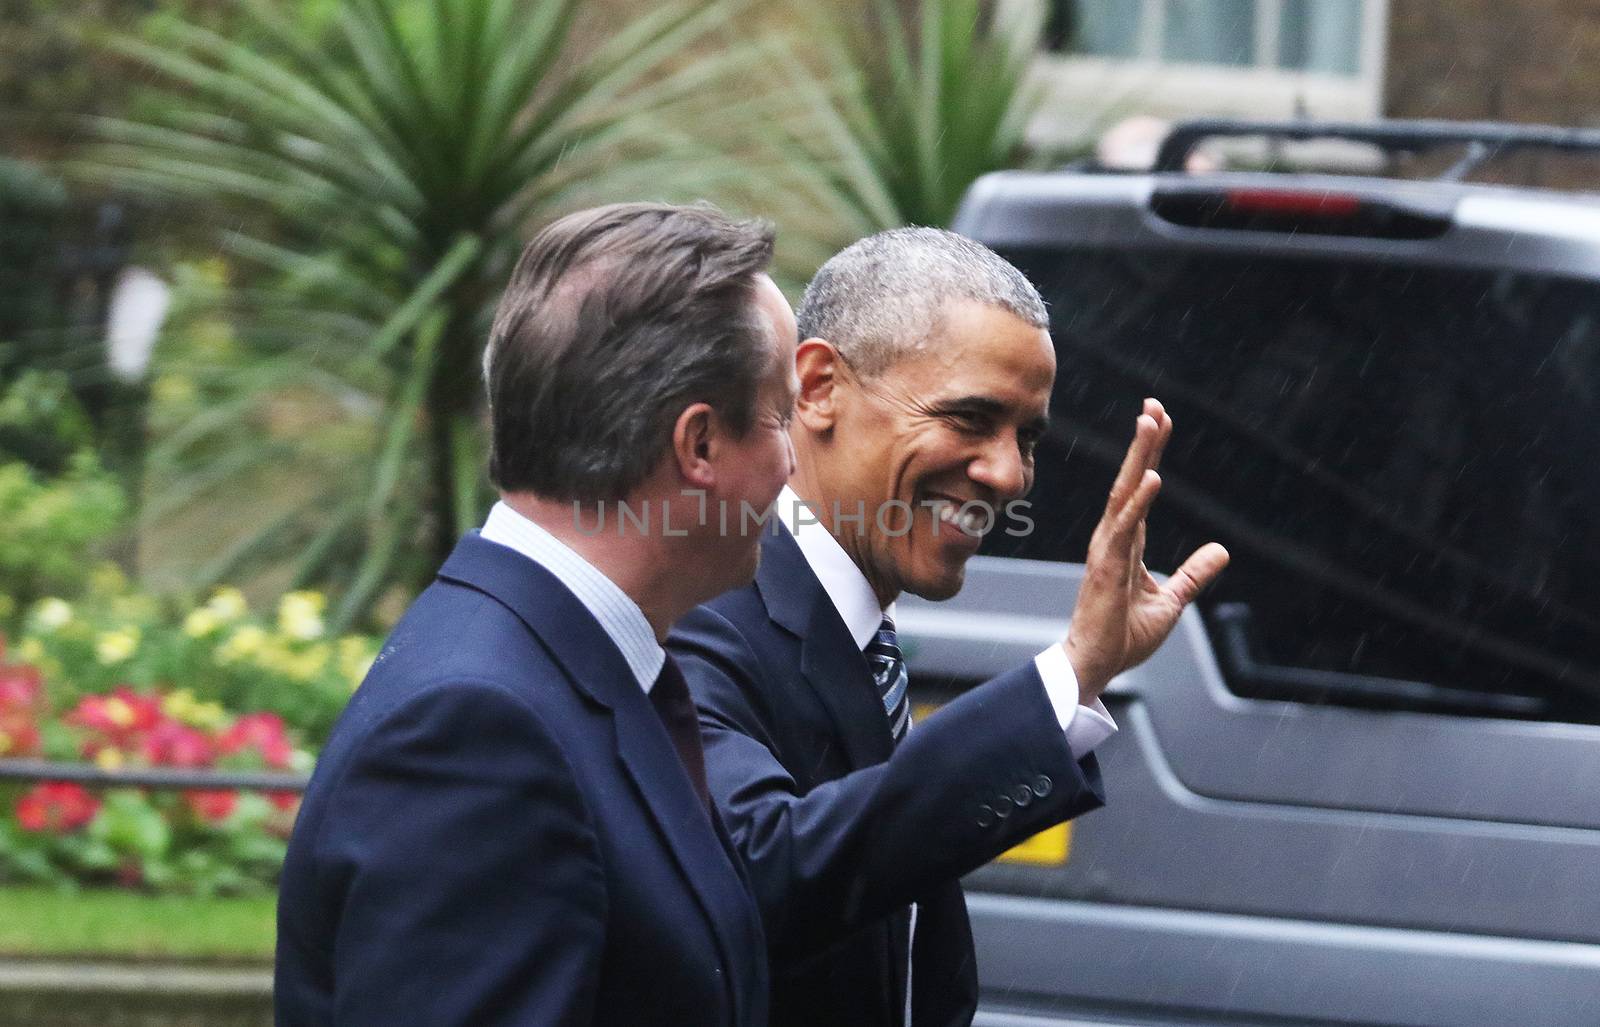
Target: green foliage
x=218, y=657
x=32, y=212
x=60, y=507
x=156, y=841
x=97, y=680
x=40, y=422
x=383, y=166
x=54, y=527
x=889, y=120
x=35, y=227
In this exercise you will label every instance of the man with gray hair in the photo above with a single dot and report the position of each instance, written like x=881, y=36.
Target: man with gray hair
x=925, y=374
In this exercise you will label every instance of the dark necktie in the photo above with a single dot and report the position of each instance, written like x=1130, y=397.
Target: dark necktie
x=670, y=696
x=889, y=673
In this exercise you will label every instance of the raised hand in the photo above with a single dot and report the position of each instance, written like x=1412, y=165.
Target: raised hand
x=1123, y=612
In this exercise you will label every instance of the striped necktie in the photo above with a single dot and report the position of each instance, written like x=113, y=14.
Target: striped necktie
x=889, y=673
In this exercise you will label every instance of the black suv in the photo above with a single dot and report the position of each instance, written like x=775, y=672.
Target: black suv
x=1361, y=784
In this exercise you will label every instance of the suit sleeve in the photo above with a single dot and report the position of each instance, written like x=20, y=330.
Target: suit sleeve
x=984, y=773
x=471, y=885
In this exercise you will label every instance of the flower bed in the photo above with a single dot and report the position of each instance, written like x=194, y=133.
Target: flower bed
x=90, y=683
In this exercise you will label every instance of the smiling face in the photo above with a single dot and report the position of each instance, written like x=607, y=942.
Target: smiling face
x=949, y=423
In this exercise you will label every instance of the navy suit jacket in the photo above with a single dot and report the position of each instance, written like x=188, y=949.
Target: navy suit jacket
x=840, y=829
x=500, y=832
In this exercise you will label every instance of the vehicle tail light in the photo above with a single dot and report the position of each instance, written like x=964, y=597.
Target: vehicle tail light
x=1316, y=212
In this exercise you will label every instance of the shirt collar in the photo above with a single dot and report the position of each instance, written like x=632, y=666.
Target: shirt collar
x=619, y=616
x=842, y=580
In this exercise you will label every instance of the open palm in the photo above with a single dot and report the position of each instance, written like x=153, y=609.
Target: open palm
x=1123, y=612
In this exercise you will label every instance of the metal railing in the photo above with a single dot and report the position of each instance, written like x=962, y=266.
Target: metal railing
x=151, y=777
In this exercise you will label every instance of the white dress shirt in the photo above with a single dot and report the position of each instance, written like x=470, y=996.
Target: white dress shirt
x=1085, y=726
x=851, y=594
x=619, y=616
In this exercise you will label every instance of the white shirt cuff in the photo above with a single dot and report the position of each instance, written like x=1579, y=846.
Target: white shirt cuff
x=1085, y=726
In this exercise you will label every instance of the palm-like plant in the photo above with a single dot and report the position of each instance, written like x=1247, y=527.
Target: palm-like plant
x=383, y=170
x=891, y=120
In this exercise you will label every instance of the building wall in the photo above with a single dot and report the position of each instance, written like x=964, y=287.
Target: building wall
x=1507, y=60
x=1525, y=61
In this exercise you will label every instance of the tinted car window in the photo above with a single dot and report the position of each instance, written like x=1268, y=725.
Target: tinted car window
x=1404, y=462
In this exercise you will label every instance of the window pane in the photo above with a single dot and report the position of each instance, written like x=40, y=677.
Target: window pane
x=1210, y=31
x=1104, y=28
x=1324, y=36
x=1400, y=459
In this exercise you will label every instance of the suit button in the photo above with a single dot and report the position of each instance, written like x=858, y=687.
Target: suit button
x=1022, y=796
x=1042, y=786
x=986, y=816
x=1003, y=806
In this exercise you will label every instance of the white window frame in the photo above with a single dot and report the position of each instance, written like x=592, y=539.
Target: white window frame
x=1119, y=86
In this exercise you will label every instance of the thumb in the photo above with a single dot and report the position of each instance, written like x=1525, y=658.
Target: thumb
x=1200, y=570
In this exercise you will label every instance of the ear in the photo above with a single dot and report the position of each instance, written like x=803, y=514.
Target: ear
x=695, y=437
x=819, y=368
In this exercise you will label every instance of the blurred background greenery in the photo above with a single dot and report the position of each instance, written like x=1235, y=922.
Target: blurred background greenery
x=335, y=191
x=249, y=252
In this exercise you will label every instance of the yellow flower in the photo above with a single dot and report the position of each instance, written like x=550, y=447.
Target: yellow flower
x=246, y=641
x=118, y=712
x=300, y=615
x=52, y=613
x=178, y=704
x=108, y=759
x=30, y=650
x=116, y=646
x=208, y=715
x=228, y=604
x=307, y=665
x=107, y=579
x=355, y=658
x=201, y=622
x=5, y=743
x=182, y=706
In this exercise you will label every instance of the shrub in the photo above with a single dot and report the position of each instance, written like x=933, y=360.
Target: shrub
x=203, y=841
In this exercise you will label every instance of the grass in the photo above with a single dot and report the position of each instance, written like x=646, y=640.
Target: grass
x=43, y=922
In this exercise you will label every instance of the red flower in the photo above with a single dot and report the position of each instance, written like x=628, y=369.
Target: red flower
x=19, y=737
x=263, y=732
x=286, y=802
x=120, y=717
x=172, y=744
x=19, y=686
x=212, y=806
x=19, y=696
x=57, y=807
x=118, y=720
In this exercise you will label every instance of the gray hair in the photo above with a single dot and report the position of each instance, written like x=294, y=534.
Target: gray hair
x=882, y=297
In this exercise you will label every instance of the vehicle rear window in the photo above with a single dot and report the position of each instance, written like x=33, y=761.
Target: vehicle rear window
x=1404, y=463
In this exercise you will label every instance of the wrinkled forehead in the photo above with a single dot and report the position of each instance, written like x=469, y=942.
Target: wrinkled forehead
x=967, y=346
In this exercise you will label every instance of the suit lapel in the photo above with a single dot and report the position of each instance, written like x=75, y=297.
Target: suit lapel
x=830, y=662
x=596, y=668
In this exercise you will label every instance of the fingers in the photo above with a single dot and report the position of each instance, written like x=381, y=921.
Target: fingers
x=1134, y=464
x=1151, y=431
x=1130, y=520
x=1158, y=413
x=1200, y=570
